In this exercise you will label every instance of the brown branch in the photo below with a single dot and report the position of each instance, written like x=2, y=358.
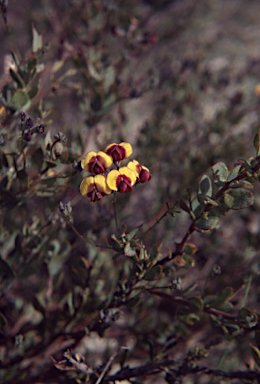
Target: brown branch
x=142, y=370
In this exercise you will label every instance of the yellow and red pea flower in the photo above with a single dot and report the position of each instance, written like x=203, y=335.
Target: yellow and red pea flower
x=96, y=163
x=94, y=187
x=121, y=180
x=142, y=173
x=119, y=151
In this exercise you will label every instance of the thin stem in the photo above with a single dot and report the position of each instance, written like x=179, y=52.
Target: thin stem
x=55, y=142
x=160, y=218
x=247, y=292
x=86, y=240
x=115, y=214
x=107, y=366
x=79, y=235
x=222, y=359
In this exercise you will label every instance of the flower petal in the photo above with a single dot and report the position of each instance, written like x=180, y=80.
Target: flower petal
x=87, y=186
x=144, y=175
x=105, y=159
x=87, y=159
x=101, y=184
x=135, y=166
x=112, y=179
x=128, y=173
x=128, y=149
x=119, y=151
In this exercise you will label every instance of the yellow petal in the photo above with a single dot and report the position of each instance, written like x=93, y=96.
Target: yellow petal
x=87, y=185
x=109, y=146
x=111, y=179
x=101, y=184
x=128, y=149
x=134, y=166
x=129, y=173
x=106, y=159
x=86, y=159
x=143, y=167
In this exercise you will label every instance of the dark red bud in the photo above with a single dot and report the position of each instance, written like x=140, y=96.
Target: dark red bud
x=117, y=153
x=144, y=176
x=29, y=123
x=96, y=167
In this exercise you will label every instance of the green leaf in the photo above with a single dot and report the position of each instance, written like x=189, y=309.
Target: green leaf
x=33, y=92
x=207, y=222
x=197, y=207
x=154, y=273
x=220, y=173
x=5, y=271
x=233, y=173
x=69, y=156
x=241, y=184
x=238, y=199
x=37, y=40
x=132, y=233
x=256, y=354
x=188, y=318
x=17, y=78
x=155, y=253
x=48, y=140
x=190, y=249
x=224, y=295
x=37, y=158
x=19, y=99
x=226, y=307
x=38, y=306
x=134, y=301
x=3, y=160
x=32, y=64
x=128, y=251
x=54, y=265
x=3, y=320
x=184, y=206
x=203, y=199
x=257, y=338
x=23, y=177
x=247, y=318
x=96, y=102
x=208, y=300
x=257, y=143
x=205, y=186
x=179, y=261
x=49, y=164
x=197, y=302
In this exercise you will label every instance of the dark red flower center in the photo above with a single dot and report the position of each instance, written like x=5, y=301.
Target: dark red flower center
x=117, y=153
x=95, y=166
x=123, y=184
x=144, y=176
x=95, y=196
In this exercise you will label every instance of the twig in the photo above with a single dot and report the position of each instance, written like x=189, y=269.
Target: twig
x=107, y=366
x=115, y=214
x=127, y=373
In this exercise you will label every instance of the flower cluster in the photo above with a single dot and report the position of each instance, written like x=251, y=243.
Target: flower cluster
x=103, y=182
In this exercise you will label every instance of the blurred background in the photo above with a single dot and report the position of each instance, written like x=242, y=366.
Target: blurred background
x=178, y=80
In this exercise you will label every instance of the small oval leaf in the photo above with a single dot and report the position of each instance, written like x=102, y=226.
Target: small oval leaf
x=220, y=172
x=238, y=199
x=205, y=186
x=154, y=273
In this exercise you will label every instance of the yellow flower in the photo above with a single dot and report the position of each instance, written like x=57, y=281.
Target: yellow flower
x=94, y=187
x=121, y=180
x=96, y=163
x=119, y=151
x=142, y=173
